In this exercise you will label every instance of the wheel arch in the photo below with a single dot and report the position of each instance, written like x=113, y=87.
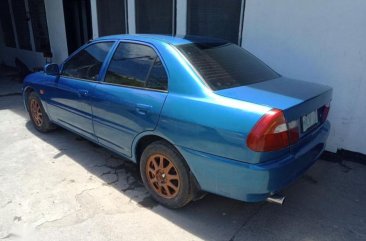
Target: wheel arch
x=27, y=90
x=145, y=139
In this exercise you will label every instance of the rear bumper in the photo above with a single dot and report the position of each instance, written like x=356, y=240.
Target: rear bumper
x=254, y=182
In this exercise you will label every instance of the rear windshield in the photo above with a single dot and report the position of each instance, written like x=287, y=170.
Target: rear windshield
x=226, y=65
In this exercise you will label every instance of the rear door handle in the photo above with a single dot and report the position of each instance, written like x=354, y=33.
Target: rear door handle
x=83, y=92
x=143, y=109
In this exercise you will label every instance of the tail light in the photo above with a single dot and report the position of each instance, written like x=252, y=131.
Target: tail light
x=272, y=132
x=325, y=112
x=293, y=131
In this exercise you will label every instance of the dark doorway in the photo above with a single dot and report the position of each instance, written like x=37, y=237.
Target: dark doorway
x=215, y=18
x=77, y=23
x=155, y=16
x=111, y=17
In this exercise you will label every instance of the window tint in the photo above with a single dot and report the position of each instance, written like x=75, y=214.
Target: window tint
x=158, y=78
x=86, y=64
x=225, y=65
x=130, y=65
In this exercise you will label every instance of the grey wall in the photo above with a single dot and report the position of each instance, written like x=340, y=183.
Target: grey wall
x=323, y=41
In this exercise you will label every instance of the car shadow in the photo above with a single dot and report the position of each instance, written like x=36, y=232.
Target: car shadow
x=212, y=217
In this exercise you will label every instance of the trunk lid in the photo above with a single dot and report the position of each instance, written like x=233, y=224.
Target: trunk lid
x=295, y=98
x=299, y=100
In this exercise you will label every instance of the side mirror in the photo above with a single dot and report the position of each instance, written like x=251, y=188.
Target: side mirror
x=52, y=69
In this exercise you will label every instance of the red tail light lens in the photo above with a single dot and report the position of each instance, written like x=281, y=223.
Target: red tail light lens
x=325, y=113
x=272, y=133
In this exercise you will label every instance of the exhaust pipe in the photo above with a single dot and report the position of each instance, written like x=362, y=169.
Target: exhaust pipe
x=276, y=199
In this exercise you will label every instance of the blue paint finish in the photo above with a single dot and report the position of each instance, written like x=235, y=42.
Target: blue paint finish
x=213, y=125
x=69, y=102
x=209, y=128
x=284, y=94
x=253, y=182
x=121, y=113
x=173, y=40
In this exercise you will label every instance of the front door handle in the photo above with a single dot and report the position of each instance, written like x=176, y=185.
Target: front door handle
x=143, y=109
x=83, y=92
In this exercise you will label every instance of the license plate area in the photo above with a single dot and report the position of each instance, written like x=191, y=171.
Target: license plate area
x=309, y=120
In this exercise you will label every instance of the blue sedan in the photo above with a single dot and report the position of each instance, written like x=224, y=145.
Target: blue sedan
x=196, y=114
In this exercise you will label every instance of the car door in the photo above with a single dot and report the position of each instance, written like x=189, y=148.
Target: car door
x=69, y=104
x=130, y=98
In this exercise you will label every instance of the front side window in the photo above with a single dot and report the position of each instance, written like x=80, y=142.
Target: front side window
x=224, y=65
x=136, y=65
x=86, y=63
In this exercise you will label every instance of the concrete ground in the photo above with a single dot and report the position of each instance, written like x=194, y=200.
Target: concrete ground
x=58, y=186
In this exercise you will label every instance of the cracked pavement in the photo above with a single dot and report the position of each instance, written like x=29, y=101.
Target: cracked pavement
x=58, y=186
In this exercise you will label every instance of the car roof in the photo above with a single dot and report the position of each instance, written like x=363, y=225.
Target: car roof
x=170, y=39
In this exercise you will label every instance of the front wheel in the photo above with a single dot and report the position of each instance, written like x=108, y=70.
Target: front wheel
x=165, y=174
x=37, y=114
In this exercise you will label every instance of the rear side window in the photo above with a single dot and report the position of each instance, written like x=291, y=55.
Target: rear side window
x=158, y=78
x=86, y=63
x=136, y=65
x=224, y=65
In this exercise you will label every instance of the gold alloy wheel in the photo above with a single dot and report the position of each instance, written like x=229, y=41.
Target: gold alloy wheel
x=162, y=176
x=36, y=112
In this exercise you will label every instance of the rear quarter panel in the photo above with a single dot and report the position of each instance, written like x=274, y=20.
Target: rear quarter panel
x=214, y=125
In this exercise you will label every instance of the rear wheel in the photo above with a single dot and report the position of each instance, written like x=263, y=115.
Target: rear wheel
x=165, y=174
x=37, y=114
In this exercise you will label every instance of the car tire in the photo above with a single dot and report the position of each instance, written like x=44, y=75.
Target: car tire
x=165, y=174
x=37, y=114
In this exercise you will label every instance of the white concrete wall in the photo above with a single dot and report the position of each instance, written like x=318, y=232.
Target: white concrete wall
x=323, y=41
x=131, y=16
x=181, y=17
x=56, y=29
x=94, y=18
